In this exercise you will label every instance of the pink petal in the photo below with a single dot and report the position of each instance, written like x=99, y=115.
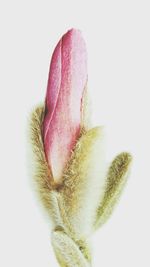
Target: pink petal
x=66, y=84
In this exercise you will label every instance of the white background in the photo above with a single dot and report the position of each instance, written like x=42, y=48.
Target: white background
x=117, y=34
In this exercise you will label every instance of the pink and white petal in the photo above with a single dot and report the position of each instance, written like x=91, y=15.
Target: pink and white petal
x=67, y=81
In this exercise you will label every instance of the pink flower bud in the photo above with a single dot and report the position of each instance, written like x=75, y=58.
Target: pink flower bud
x=66, y=84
